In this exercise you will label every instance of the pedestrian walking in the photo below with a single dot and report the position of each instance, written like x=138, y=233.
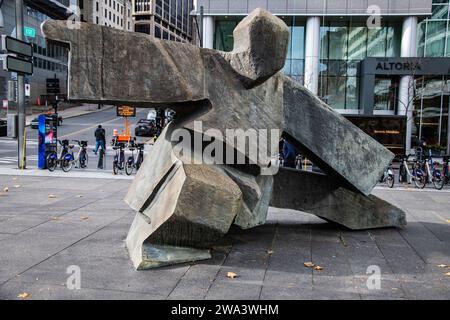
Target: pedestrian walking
x=100, y=138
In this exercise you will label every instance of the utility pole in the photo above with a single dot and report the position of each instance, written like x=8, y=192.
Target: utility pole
x=21, y=141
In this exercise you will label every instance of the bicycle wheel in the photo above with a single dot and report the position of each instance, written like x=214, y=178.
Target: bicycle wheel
x=438, y=182
x=51, y=161
x=115, y=168
x=129, y=166
x=402, y=174
x=66, y=165
x=390, y=180
x=83, y=161
x=420, y=178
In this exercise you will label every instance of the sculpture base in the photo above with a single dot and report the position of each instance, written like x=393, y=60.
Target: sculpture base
x=154, y=256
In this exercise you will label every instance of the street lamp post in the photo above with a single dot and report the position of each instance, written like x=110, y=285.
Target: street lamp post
x=21, y=141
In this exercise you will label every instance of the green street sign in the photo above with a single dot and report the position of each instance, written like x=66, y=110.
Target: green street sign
x=29, y=32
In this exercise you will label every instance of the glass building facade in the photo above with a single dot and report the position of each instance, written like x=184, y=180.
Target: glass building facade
x=431, y=94
x=342, y=46
x=346, y=41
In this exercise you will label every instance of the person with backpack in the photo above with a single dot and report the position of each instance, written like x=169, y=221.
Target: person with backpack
x=100, y=138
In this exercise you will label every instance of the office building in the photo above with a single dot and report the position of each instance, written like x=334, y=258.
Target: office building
x=365, y=58
x=164, y=19
x=50, y=59
x=111, y=13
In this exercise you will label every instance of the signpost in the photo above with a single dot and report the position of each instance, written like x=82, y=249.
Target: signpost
x=126, y=111
x=53, y=86
x=13, y=64
x=29, y=32
x=13, y=45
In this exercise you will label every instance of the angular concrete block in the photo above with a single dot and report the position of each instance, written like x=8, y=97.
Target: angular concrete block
x=333, y=143
x=326, y=198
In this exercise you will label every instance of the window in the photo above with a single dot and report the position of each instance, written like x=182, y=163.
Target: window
x=96, y=20
x=81, y=4
x=157, y=32
x=96, y=6
x=106, y=13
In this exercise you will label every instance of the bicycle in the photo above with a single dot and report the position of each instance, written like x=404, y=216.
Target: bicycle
x=81, y=160
x=432, y=172
x=131, y=162
x=388, y=177
x=65, y=157
x=446, y=169
x=416, y=175
x=119, y=158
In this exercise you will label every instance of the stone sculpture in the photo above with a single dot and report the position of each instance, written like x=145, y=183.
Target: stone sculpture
x=185, y=200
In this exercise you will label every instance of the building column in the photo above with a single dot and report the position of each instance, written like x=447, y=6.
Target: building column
x=312, y=51
x=208, y=32
x=406, y=87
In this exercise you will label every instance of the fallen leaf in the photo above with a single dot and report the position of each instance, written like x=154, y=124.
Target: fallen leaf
x=231, y=275
x=308, y=264
x=56, y=218
x=79, y=196
x=318, y=268
x=14, y=178
x=269, y=252
x=448, y=221
x=23, y=295
x=442, y=265
x=448, y=274
x=5, y=189
x=17, y=186
x=51, y=196
x=84, y=218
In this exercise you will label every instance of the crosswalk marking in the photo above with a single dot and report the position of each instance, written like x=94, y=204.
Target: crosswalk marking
x=8, y=160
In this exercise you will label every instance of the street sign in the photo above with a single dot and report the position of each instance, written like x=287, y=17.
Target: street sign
x=53, y=86
x=12, y=45
x=126, y=111
x=13, y=64
x=29, y=32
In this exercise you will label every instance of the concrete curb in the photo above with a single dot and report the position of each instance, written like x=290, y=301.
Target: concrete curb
x=88, y=174
x=84, y=113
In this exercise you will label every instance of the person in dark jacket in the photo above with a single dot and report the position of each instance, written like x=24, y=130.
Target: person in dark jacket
x=289, y=154
x=100, y=138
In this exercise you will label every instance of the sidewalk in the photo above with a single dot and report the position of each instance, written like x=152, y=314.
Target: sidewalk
x=69, y=112
x=51, y=225
x=72, y=112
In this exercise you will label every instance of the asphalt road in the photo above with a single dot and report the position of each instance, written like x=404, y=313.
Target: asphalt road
x=79, y=128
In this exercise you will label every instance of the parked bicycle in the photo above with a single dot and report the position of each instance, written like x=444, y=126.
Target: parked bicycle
x=388, y=177
x=132, y=163
x=446, y=169
x=82, y=158
x=431, y=169
x=64, y=159
x=416, y=174
x=119, y=157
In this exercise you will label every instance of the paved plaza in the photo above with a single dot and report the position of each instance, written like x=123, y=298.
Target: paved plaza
x=50, y=224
